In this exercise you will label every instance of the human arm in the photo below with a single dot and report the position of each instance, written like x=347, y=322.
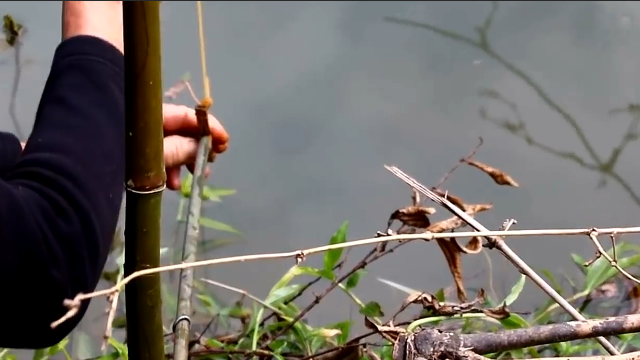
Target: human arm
x=60, y=200
x=10, y=149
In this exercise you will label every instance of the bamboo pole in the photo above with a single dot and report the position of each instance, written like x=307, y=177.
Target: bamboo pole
x=192, y=232
x=145, y=176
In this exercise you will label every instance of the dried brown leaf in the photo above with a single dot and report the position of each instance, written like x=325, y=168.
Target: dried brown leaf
x=478, y=208
x=474, y=246
x=480, y=297
x=454, y=222
x=423, y=298
x=388, y=332
x=498, y=313
x=453, y=199
x=499, y=176
x=414, y=216
x=454, y=261
x=370, y=324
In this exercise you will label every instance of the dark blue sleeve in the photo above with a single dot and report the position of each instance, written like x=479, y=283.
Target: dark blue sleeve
x=59, y=201
x=10, y=149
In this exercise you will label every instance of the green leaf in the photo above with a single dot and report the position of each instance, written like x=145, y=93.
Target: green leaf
x=601, y=270
x=217, y=225
x=185, y=186
x=372, y=309
x=209, y=303
x=579, y=262
x=186, y=76
x=332, y=257
x=111, y=356
x=120, y=348
x=345, y=328
x=514, y=321
x=552, y=279
x=515, y=291
x=326, y=274
x=213, y=193
x=283, y=294
x=40, y=354
x=353, y=280
x=441, y=296
x=59, y=347
x=286, y=278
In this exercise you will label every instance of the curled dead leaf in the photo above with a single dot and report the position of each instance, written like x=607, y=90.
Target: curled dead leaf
x=423, y=298
x=480, y=297
x=453, y=199
x=413, y=216
x=454, y=222
x=454, y=261
x=390, y=333
x=498, y=176
x=370, y=324
x=478, y=208
x=498, y=313
x=473, y=246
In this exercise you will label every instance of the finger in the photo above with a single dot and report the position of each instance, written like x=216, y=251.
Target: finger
x=173, y=178
x=179, y=150
x=181, y=120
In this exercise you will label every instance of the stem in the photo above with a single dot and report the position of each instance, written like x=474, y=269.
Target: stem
x=145, y=176
x=189, y=247
x=192, y=230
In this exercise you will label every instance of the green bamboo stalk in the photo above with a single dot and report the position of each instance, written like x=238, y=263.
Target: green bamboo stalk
x=145, y=177
x=190, y=241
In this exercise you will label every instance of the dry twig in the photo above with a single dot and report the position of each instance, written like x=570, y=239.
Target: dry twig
x=498, y=243
x=74, y=304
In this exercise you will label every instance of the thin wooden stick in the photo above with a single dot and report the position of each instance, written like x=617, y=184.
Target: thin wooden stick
x=74, y=304
x=182, y=324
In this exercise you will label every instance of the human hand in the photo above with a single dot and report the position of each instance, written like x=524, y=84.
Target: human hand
x=180, y=142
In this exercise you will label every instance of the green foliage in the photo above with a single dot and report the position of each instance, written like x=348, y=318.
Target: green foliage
x=276, y=323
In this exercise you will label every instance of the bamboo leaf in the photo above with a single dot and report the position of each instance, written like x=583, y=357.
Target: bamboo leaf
x=214, y=193
x=286, y=278
x=354, y=279
x=217, y=225
x=211, y=193
x=372, y=309
x=282, y=294
x=515, y=291
x=332, y=257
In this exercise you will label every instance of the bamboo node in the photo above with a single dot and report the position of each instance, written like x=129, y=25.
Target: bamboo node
x=129, y=187
x=180, y=319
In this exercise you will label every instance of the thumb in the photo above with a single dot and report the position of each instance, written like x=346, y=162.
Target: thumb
x=179, y=150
